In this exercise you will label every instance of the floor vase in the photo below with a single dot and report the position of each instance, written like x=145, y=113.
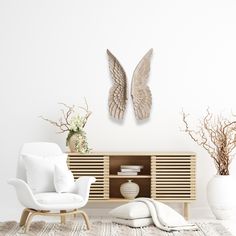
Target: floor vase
x=221, y=194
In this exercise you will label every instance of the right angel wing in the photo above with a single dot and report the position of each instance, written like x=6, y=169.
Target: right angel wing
x=140, y=92
x=118, y=92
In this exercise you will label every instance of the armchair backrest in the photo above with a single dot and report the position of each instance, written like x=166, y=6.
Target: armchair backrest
x=37, y=148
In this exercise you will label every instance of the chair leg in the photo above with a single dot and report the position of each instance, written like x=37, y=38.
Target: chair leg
x=63, y=218
x=86, y=219
x=28, y=214
x=27, y=225
x=75, y=214
x=24, y=217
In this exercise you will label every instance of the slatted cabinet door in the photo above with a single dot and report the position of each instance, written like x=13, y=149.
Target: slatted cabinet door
x=173, y=178
x=97, y=166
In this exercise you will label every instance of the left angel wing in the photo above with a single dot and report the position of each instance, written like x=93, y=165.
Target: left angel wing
x=118, y=92
x=140, y=92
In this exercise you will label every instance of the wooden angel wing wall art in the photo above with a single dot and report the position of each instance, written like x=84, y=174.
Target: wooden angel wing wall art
x=118, y=92
x=140, y=92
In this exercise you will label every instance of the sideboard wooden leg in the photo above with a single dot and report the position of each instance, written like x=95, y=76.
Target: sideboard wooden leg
x=63, y=217
x=186, y=210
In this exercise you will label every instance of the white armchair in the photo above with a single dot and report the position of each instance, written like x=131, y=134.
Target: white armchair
x=49, y=203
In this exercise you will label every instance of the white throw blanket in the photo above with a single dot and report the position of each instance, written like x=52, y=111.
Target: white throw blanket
x=164, y=217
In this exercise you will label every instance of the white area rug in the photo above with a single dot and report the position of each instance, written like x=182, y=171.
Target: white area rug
x=105, y=227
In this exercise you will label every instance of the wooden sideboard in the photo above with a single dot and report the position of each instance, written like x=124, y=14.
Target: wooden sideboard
x=167, y=177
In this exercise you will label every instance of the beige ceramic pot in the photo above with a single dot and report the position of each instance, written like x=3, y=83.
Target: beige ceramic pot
x=78, y=143
x=129, y=190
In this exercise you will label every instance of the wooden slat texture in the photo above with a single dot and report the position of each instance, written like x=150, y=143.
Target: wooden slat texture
x=97, y=166
x=169, y=177
x=173, y=178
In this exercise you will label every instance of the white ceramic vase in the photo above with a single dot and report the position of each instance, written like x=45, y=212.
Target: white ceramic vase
x=129, y=190
x=221, y=194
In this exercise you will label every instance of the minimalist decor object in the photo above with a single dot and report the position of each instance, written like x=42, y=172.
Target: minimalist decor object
x=216, y=135
x=129, y=190
x=105, y=227
x=140, y=92
x=73, y=123
x=167, y=177
x=47, y=203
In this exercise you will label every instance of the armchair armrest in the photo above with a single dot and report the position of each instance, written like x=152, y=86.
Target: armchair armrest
x=24, y=193
x=82, y=186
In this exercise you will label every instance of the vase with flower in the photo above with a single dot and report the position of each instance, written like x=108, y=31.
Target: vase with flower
x=73, y=121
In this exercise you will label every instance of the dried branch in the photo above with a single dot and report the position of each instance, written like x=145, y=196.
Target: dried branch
x=64, y=122
x=67, y=114
x=63, y=127
x=217, y=136
x=88, y=113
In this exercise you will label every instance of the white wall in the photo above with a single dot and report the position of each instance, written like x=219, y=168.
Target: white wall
x=55, y=51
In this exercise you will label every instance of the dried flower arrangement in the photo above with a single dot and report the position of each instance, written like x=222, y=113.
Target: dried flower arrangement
x=217, y=135
x=73, y=123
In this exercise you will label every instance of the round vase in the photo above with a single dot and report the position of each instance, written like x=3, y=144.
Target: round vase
x=78, y=143
x=129, y=190
x=221, y=196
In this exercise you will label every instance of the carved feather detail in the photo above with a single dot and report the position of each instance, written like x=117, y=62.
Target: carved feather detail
x=140, y=92
x=118, y=92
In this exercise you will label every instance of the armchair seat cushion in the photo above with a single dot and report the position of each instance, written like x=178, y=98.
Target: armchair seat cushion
x=53, y=198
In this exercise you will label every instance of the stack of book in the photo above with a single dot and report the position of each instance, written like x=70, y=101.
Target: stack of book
x=129, y=169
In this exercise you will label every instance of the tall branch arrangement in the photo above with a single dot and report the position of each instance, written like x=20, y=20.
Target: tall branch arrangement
x=71, y=120
x=217, y=135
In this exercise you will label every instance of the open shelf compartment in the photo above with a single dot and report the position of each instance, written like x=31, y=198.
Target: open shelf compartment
x=116, y=180
x=117, y=161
